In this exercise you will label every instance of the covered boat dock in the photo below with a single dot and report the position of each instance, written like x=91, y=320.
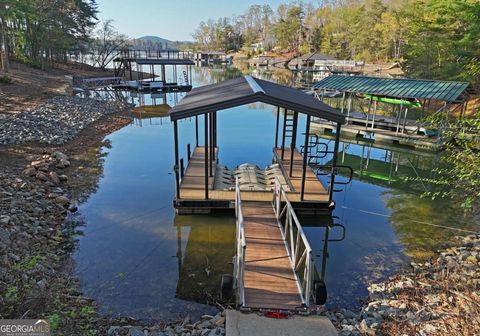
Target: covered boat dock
x=274, y=266
x=401, y=95
x=198, y=182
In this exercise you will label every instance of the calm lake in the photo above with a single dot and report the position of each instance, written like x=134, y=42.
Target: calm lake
x=135, y=257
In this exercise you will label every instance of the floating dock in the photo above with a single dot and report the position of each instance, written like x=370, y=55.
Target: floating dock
x=192, y=191
x=143, y=64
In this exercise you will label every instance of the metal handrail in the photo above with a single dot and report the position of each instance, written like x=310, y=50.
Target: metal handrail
x=288, y=221
x=241, y=245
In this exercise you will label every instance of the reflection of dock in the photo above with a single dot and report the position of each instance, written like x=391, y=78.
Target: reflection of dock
x=206, y=255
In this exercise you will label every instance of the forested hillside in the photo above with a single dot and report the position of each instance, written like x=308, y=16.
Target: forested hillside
x=431, y=38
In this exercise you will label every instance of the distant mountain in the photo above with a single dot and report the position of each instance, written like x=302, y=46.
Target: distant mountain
x=155, y=42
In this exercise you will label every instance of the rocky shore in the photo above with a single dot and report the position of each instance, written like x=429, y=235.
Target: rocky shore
x=207, y=326
x=439, y=297
x=56, y=121
x=39, y=185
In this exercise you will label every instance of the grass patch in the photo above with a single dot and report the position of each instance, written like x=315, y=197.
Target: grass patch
x=29, y=263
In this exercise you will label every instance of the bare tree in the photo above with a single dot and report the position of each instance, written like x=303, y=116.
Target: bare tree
x=106, y=43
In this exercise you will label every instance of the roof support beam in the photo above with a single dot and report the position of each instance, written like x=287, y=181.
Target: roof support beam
x=306, y=152
x=294, y=141
x=206, y=155
x=283, y=131
x=177, y=179
x=276, y=127
x=212, y=149
x=196, y=130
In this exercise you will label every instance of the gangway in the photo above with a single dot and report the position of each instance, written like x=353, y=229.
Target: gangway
x=274, y=264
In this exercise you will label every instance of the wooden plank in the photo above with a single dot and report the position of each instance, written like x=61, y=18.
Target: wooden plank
x=269, y=281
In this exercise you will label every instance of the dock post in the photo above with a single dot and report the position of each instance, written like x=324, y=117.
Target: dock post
x=305, y=158
x=214, y=130
x=368, y=113
x=212, y=149
x=294, y=141
x=177, y=180
x=196, y=131
x=206, y=155
x=189, y=152
x=182, y=168
x=349, y=106
x=276, y=129
x=283, y=131
x=399, y=116
x=334, y=163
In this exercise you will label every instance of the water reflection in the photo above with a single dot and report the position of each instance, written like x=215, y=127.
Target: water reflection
x=205, y=257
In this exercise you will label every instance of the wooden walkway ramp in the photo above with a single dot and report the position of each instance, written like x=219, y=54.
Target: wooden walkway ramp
x=269, y=280
x=274, y=262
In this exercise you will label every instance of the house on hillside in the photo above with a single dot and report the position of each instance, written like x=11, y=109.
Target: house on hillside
x=262, y=44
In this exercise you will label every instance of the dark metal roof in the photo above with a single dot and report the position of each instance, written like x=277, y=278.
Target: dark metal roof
x=395, y=87
x=166, y=61
x=246, y=90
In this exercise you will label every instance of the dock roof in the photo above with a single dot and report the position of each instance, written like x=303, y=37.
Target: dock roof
x=246, y=90
x=395, y=87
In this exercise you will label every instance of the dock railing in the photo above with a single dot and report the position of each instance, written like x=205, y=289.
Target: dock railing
x=239, y=264
x=299, y=250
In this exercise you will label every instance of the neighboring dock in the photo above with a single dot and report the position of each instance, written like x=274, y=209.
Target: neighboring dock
x=401, y=98
x=151, y=69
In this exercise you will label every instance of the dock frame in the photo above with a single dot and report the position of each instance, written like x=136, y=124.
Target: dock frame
x=195, y=192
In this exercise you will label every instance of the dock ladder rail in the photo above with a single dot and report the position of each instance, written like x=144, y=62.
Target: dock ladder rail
x=239, y=264
x=298, y=248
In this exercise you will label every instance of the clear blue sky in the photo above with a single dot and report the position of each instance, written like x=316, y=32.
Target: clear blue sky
x=170, y=19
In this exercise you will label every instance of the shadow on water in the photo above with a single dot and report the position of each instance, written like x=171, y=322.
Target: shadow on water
x=135, y=257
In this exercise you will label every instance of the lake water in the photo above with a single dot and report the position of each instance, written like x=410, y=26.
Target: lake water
x=135, y=257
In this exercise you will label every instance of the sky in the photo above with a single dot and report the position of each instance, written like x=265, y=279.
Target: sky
x=170, y=19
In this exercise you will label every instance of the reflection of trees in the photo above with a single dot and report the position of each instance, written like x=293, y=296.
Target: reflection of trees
x=207, y=255
x=416, y=221
x=217, y=73
x=88, y=167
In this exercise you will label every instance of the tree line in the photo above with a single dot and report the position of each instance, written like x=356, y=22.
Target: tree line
x=39, y=31
x=430, y=38
x=44, y=32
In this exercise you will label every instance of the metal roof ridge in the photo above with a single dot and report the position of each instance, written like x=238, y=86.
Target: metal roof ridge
x=400, y=78
x=256, y=88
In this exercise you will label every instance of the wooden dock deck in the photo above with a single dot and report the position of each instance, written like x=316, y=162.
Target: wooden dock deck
x=192, y=185
x=269, y=280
